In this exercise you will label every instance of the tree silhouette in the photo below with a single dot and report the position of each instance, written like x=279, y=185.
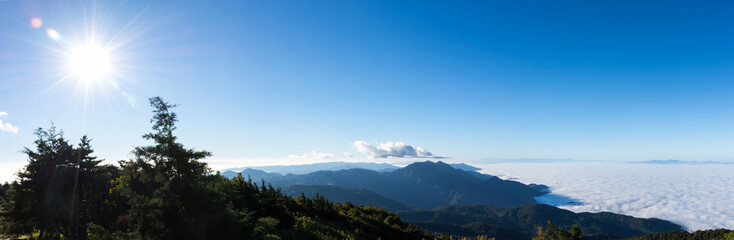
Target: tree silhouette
x=59, y=192
x=165, y=191
x=171, y=193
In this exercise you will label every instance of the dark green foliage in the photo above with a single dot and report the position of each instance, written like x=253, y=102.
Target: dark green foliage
x=552, y=232
x=473, y=229
x=60, y=192
x=165, y=192
x=4, y=188
x=527, y=218
x=170, y=192
x=269, y=213
x=4, y=191
x=718, y=234
x=495, y=231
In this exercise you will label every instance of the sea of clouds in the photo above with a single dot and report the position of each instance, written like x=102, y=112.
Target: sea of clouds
x=696, y=196
x=8, y=171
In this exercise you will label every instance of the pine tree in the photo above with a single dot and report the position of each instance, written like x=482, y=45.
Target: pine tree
x=59, y=192
x=171, y=192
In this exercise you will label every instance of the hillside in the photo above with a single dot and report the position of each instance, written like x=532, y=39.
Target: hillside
x=451, y=190
x=318, y=218
x=345, y=194
x=423, y=184
x=484, y=219
x=166, y=192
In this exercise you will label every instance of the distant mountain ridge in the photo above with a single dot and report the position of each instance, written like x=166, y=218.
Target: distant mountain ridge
x=422, y=184
x=674, y=161
x=463, y=202
x=529, y=160
x=309, y=168
x=254, y=174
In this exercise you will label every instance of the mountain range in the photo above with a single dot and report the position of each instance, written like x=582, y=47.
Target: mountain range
x=674, y=161
x=309, y=168
x=456, y=200
x=423, y=184
x=346, y=194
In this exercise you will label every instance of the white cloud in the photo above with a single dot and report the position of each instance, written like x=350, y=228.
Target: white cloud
x=6, y=126
x=695, y=196
x=313, y=155
x=392, y=149
x=348, y=155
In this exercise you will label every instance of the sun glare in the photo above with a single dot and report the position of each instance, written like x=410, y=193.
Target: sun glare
x=90, y=63
x=89, y=54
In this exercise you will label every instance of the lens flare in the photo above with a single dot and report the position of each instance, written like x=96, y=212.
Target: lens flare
x=36, y=23
x=91, y=54
x=53, y=34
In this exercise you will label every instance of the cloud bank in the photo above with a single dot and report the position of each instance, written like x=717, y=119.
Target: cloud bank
x=694, y=196
x=392, y=149
x=6, y=126
x=313, y=155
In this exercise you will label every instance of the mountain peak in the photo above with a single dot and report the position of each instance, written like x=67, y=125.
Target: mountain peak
x=443, y=165
x=434, y=172
x=429, y=164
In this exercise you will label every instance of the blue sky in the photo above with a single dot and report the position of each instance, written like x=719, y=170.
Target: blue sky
x=258, y=81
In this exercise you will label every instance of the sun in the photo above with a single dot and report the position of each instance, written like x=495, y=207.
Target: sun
x=92, y=56
x=89, y=63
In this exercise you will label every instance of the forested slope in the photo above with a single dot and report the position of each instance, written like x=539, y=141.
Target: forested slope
x=165, y=191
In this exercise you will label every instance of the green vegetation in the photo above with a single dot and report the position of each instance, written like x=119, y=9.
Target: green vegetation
x=62, y=187
x=514, y=223
x=553, y=233
x=166, y=192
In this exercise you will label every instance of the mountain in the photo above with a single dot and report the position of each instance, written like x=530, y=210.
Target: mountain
x=423, y=184
x=464, y=203
x=254, y=174
x=345, y=194
x=464, y=166
x=328, y=166
x=485, y=219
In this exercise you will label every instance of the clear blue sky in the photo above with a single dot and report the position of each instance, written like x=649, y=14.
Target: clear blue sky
x=260, y=80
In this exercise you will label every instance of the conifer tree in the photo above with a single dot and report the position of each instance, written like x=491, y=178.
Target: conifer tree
x=59, y=192
x=170, y=190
